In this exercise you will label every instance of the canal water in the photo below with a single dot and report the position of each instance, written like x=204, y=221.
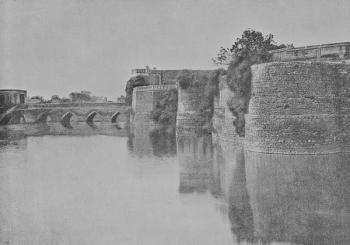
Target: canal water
x=105, y=185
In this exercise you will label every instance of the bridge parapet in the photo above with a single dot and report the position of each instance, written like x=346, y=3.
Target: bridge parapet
x=81, y=112
x=56, y=105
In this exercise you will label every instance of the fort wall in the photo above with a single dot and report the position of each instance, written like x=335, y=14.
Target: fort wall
x=223, y=119
x=299, y=107
x=188, y=119
x=144, y=101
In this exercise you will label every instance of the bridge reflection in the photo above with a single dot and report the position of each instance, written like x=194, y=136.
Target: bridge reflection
x=18, y=131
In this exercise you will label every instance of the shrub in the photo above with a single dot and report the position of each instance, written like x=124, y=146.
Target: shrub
x=131, y=84
x=165, y=110
x=207, y=84
x=185, y=79
x=251, y=48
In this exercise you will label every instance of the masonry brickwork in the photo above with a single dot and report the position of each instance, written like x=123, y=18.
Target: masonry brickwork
x=145, y=98
x=299, y=107
x=33, y=113
x=144, y=101
x=223, y=119
x=188, y=118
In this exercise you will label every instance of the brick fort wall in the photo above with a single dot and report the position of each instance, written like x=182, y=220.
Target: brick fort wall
x=299, y=107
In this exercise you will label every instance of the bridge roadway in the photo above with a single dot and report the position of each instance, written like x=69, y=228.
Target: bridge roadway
x=65, y=113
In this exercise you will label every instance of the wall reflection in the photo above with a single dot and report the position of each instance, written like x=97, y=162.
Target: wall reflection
x=148, y=140
x=266, y=198
x=291, y=199
x=230, y=179
x=195, y=156
x=301, y=199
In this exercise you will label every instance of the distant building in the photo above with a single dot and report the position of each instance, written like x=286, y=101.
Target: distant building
x=12, y=97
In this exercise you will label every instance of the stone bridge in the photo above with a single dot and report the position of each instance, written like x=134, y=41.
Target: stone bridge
x=65, y=113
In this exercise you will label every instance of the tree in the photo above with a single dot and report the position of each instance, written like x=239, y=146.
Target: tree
x=251, y=48
x=121, y=99
x=83, y=96
x=251, y=44
x=131, y=84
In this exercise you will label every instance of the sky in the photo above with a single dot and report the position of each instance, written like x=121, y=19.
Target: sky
x=59, y=46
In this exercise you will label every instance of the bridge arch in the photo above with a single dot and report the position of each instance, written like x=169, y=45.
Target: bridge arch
x=114, y=117
x=22, y=119
x=43, y=117
x=66, y=119
x=91, y=116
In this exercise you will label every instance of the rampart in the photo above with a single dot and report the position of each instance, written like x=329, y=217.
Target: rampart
x=188, y=117
x=299, y=107
x=145, y=99
x=223, y=120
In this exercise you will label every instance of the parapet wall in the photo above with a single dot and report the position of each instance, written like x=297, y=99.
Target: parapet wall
x=299, y=107
x=314, y=52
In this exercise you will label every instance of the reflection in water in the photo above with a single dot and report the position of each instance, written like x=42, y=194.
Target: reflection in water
x=292, y=199
x=151, y=141
x=230, y=185
x=163, y=142
x=12, y=132
x=195, y=159
x=240, y=213
x=92, y=190
x=300, y=199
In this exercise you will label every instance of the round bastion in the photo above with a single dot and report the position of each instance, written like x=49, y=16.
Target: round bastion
x=299, y=107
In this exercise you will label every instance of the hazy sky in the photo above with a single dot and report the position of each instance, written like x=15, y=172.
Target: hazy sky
x=59, y=46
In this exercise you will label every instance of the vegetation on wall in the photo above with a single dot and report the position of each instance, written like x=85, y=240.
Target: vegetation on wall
x=131, y=84
x=249, y=44
x=207, y=85
x=164, y=113
x=251, y=48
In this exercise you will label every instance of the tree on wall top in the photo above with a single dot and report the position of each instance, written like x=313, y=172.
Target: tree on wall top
x=251, y=44
x=251, y=48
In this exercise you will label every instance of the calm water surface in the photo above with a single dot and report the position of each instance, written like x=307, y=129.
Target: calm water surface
x=100, y=186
